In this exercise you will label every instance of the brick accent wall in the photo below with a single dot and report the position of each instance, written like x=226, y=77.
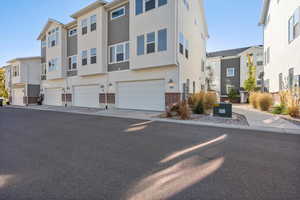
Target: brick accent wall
x=66, y=97
x=111, y=98
x=172, y=98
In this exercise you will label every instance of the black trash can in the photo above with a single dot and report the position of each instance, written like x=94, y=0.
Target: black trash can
x=223, y=110
x=1, y=102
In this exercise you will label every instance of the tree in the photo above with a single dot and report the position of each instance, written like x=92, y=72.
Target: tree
x=3, y=91
x=250, y=82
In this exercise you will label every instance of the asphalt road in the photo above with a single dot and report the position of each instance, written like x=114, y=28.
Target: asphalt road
x=58, y=156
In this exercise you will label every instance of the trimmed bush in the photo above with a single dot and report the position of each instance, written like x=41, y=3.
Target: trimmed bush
x=265, y=101
x=233, y=95
x=253, y=99
x=210, y=99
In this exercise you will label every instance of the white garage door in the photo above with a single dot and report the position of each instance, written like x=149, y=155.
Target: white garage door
x=53, y=96
x=142, y=95
x=17, y=97
x=86, y=96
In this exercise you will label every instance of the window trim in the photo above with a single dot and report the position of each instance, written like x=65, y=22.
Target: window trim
x=152, y=42
x=91, y=24
x=144, y=6
x=228, y=70
x=86, y=57
x=93, y=56
x=117, y=9
x=115, y=53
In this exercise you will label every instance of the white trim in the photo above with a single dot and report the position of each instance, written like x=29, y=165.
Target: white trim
x=72, y=63
x=117, y=9
x=124, y=50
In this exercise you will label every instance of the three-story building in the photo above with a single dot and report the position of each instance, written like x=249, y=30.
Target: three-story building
x=130, y=54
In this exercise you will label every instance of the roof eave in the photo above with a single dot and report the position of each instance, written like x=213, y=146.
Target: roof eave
x=88, y=8
x=265, y=9
x=24, y=58
x=47, y=26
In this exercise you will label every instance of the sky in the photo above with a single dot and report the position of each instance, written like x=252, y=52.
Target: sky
x=231, y=24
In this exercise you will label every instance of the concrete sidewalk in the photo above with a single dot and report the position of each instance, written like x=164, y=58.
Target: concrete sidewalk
x=257, y=120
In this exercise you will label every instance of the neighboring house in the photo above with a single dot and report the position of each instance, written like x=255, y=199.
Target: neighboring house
x=281, y=29
x=228, y=69
x=8, y=80
x=130, y=54
x=23, y=80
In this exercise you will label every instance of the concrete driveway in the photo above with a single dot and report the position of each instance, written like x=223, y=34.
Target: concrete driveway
x=57, y=156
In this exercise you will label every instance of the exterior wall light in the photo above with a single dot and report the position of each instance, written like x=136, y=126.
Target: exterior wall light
x=171, y=83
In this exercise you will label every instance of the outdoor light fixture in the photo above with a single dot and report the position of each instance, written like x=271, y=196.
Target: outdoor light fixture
x=102, y=86
x=110, y=84
x=171, y=83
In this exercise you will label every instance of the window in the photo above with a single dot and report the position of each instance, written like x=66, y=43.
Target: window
x=140, y=45
x=162, y=2
x=84, y=58
x=84, y=26
x=291, y=78
x=194, y=87
x=44, y=69
x=149, y=5
x=119, y=53
x=187, y=49
x=162, y=40
x=93, y=55
x=43, y=44
x=53, y=36
x=259, y=63
x=186, y=4
x=181, y=43
x=139, y=7
x=202, y=65
x=281, y=85
x=119, y=12
x=151, y=42
x=93, y=19
x=53, y=64
x=72, y=62
x=230, y=72
x=294, y=25
x=72, y=32
x=16, y=71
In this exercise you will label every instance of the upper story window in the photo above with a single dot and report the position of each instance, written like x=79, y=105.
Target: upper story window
x=181, y=43
x=93, y=22
x=119, y=12
x=84, y=24
x=53, y=36
x=187, y=49
x=16, y=71
x=73, y=32
x=44, y=68
x=84, y=58
x=155, y=41
x=230, y=72
x=43, y=44
x=186, y=4
x=72, y=63
x=146, y=5
x=93, y=54
x=53, y=64
x=294, y=25
x=119, y=53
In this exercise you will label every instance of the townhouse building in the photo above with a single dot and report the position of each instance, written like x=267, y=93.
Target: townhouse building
x=129, y=54
x=281, y=29
x=22, y=80
x=228, y=69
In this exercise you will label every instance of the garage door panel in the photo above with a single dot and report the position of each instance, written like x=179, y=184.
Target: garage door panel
x=86, y=96
x=18, y=96
x=53, y=96
x=142, y=95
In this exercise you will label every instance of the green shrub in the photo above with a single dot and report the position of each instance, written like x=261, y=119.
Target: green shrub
x=233, y=94
x=265, y=101
x=199, y=107
x=280, y=109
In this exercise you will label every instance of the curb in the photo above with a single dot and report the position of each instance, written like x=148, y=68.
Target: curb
x=253, y=128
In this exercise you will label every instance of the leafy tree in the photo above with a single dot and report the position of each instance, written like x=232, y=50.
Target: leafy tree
x=3, y=91
x=250, y=82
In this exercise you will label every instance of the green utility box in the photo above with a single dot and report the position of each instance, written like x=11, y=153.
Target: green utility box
x=223, y=110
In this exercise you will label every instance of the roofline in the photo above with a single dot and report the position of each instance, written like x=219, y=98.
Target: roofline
x=115, y=3
x=24, y=58
x=71, y=24
x=246, y=48
x=50, y=20
x=264, y=12
x=88, y=8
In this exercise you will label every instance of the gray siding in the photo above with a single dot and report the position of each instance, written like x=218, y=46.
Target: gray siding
x=230, y=63
x=118, y=29
x=118, y=66
x=71, y=45
x=33, y=90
